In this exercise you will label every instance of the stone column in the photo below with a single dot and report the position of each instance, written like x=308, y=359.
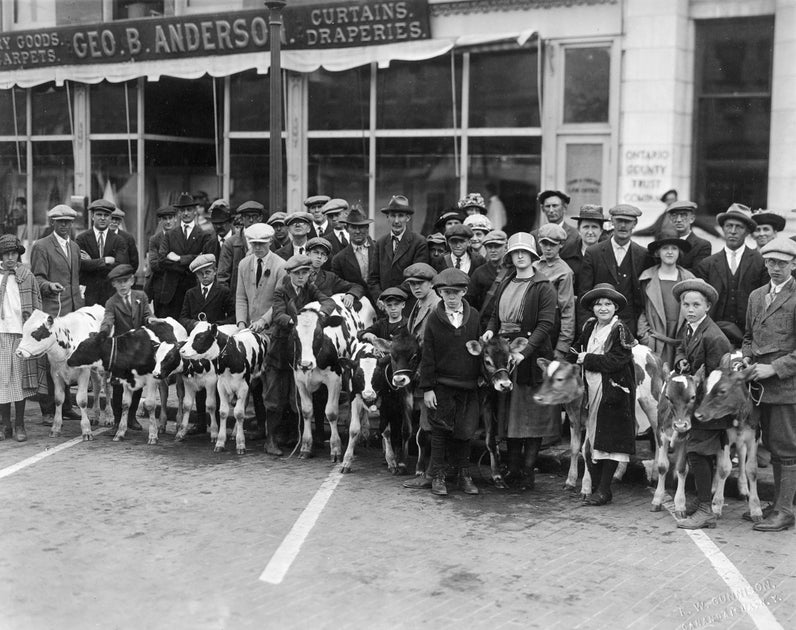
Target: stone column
x=296, y=142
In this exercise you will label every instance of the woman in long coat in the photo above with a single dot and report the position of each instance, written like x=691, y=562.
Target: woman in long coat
x=19, y=297
x=524, y=314
x=605, y=352
x=660, y=323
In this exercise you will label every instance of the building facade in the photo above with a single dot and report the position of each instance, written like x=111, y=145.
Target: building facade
x=610, y=100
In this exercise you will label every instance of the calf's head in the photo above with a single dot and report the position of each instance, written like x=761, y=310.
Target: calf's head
x=201, y=342
x=37, y=335
x=90, y=350
x=404, y=353
x=167, y=359
x=562, y=383
x=679, y=396
x=367, y=374
x=499, y=359
x=726, y=390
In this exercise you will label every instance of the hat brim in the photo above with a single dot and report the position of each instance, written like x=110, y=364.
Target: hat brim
x=20, y=249
x=708, y=291
x=404, y=210
x=594, y=219
x=516, y=248
x=588, y=299
x=210, y=264
x=299, y=268
x=363, y=222
x=779, y=256
x=684, y=246
x=767, y=218
x=723, y=217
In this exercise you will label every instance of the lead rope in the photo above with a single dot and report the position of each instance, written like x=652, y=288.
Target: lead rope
x=59, y=305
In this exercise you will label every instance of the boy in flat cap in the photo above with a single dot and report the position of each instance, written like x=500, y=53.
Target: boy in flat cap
x=550, y=238
x=460, y=257
x=319, y=250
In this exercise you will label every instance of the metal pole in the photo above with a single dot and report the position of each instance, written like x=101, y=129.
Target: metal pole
x=275, y=87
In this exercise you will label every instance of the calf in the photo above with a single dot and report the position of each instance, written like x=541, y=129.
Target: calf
x=563, y=385
x=57, y=338
x=499, y=360
x=239, y=357
x=366, y=370
x=130, y=359
x=727, y=394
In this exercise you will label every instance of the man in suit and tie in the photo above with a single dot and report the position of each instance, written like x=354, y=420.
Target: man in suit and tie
x=618, y=261
x=153, y=285
x=314, y=205
x=353, y=262
x=734, y=272
x=336, y=211
x=395, y=251
x=100, y=251
x=178, y=249
x=222, y=226
x=235, y=246
x=55, y=262
x=299, y=226
x=769, y=344
x=553, y=203
x=117, y=216
x=682, y=215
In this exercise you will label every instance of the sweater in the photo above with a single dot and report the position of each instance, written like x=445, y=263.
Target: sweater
x=446, y=360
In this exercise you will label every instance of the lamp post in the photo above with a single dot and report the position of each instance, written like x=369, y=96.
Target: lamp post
x=275, y=89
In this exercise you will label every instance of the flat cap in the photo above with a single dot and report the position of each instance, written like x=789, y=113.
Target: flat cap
x=495, y=237
x=393, y=293
x=478, y=222
x=298, y=261
x=166, y=211
x=299, y=216
x=695, y=284
x=419, y=271
x=250, y=207
x=259, y=233
x=682, y=206
x=117, y=213
x=625, y=210
x=551, y=232
x=436, y=238
x=319, y=241
x=202, y=261
x=61, y=211
x=766, y=217
x=472, y=200
x=220, y=214
x=334, y=206
x=314, y=200
x=546, y=194
x=121, y=271
x=451, y=278
x=781, y=248
x=277, y=217
x=460, y=231
x=102, y=205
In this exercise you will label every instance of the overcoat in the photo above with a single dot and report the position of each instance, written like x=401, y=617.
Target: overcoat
x=219, y=307
x=50, y=265
x=345, y=264
x=652, y=321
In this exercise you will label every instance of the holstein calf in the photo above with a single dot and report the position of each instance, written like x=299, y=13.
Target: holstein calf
x=239, y=358
x=130, y=359
x=563, y=385
x=57, y=338
x=497, y=365
x=727, y=394
x=366, y=381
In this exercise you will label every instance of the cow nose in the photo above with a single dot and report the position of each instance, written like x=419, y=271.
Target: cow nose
x=306, y=365
x=400, y=381
x=369, y=396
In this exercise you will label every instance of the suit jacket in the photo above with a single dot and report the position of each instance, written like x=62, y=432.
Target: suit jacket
x=388, y=266
x=50, y=265
x=120, y=318
x=230, y=255
x=153, y=284
x=287, y=251
x=132, y=248
x=418, y=316
x=177, y=277
x=337, y=245
x=770, y=338
x=345, y=264
x=572, y=234
x=330, y=283
x=706, y=347
x=446, y=262
x=700, y=249
x=219, y=307
x=215, y=246
x=94, y=272
x=253, y=302
x=599, y=265
x=715, y=271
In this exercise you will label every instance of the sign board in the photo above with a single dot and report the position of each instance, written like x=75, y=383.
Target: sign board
x=646, y=173
x=339, y=25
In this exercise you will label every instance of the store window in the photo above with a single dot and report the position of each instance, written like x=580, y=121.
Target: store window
x=50, y=110
x=491, y=104
x=339, y=168
x=13, y=198
x=114, y=107
x=182, y=107
x=113, y=177
x=587, y=73
x=53, y=180
x=12, y=101
x=249, y=102
x=249, y=169
x=733, y=112
x=135, y=9
x=339, y=100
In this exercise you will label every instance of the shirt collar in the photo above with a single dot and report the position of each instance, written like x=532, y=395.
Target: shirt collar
x=190, y=226
x=696, y=324
x=62, y=241
x=208, y=287
x=739, y=252
x=617, y=246
x=397, y=236
x=97, y=233
x=776, y=288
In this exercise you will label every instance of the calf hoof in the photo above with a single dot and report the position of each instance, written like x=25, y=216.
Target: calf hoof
x=499, y=483
x=118, y=438
x=55, y=434
x=152, y=441
x=179, y=436
x=401, y=471
x=219, y=449
x=88, y=437
x=656, y=507
x=345, y=470
x=570, y=488
x=241, y=451
x=680, y=514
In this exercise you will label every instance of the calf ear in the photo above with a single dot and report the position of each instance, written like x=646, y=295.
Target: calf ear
x=382, y=345
x=542, y=363
x=725, y=361
x=474, y=347
x=699, y=377
x=50, y=322
x=518, y=344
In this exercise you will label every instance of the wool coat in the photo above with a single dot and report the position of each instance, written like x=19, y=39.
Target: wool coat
x=177, y=276
x=120, y=318
x=700, y=249
x=219, y=307
x=50, y=266
x=234, y=250
x=252, y=301
x=705, y=348
x=652, y=321
x=153, y=283
x=132, y=248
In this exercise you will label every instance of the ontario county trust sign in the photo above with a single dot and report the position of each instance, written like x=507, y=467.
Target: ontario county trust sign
x=338, y=25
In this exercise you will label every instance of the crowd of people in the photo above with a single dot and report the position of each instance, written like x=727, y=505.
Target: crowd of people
x=578, y=289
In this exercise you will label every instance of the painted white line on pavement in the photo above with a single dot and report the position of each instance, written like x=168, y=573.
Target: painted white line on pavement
x=10, y=470
x=286, y=553
x=747, y=597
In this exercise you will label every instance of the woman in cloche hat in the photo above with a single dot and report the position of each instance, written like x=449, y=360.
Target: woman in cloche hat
x=19, y=297
x=605, y=352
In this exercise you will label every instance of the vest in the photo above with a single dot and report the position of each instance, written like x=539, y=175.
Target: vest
x=732, y=312
x=627, y=286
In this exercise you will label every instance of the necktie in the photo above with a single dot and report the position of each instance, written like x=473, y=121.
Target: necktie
x=205, y=290
x=301, y=250
x=221, y=240
x=770, y=297
x=259, y=272
x=458, y=262
x=101, y=244
x=395, y=241
x=319, y=231
x=689, y=334
x=185, y=229
x=343, y=239
x=362, y=258
x=129, y=300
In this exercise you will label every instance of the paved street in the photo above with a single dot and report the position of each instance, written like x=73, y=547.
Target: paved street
x=124, y=535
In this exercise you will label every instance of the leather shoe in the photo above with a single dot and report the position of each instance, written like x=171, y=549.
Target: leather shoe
x=133, y=425
x=47, y=421
x=438, y=486
x=466, y=484
x=747, y=516
x=598, y=498
x=778, y=522
x=70, y=414
x=420, y=482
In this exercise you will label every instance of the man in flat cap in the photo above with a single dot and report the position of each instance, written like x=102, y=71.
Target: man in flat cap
x=55, y=262
x=117, y=217
x=335, y=211
x=153, y=283
x=395, y=251
x=618, y=261
x=281, y=237
x=178, y=249
x=299, y=227
x=100, y=251
x=553, y=204
x=682, y=215
x=734, y=272
x=235, y=246
x=769, y=344
x=314, y=205
x=353, y=262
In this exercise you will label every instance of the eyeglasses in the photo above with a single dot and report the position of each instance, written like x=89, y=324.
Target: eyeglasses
x=777, y=264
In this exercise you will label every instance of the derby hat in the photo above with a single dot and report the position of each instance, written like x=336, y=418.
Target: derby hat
x=590, y=212
x=61, y=212
x=695, y=284
x=355, y=217
x=668, y=238
x=398, y=203
x=185, y=200
x=202, y=261
x=120, y=272
x=739, y=212
x=546, y=194
x=10, y=243
x=603, y=290
x=766, y=217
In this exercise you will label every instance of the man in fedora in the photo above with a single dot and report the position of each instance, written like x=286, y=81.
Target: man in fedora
x=682, y=215
x=395, y=251
x=734, y=272
x=235, y=246
x=618, y=261
x=178, y=249
x=769, y=225
x=117, y=216
x=769, y=344
x=553, y=203
x=221, y=219
x=591, y=222
x=100, y=251
x=354, y=262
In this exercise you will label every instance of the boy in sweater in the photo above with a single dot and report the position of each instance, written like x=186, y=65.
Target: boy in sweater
x=449, y=379
x=394, y=300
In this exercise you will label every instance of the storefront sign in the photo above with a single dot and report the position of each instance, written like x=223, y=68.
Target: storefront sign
x=646, y=174
x=339, y=25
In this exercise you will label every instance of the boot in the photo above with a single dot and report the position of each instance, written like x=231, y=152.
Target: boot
x=513, y=476
x=438, y=486
x=702, y=518
x=19, y=427
x=466, y=482
x=420, y=482
x=272, y=421
x=782, y=518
